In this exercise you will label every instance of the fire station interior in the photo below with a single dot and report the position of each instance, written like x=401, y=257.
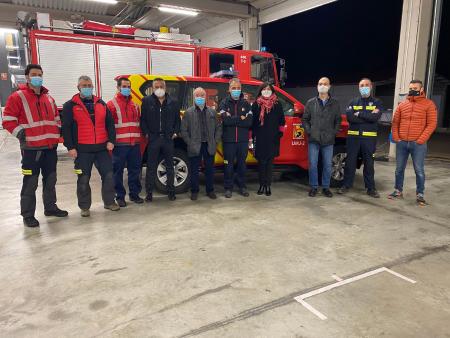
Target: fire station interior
x=285, y=265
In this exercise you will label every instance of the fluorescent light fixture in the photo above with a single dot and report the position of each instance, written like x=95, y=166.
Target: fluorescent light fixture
x=8, y=30
x=178, y=10
x=110, y=2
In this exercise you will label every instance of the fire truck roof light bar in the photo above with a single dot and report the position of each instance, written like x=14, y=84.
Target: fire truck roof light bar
x=178, y=10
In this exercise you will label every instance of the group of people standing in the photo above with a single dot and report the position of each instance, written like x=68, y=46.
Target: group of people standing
x=107, y=135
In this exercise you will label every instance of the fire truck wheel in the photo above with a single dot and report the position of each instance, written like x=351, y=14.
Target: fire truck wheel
x=181, y=167
x=337, y=169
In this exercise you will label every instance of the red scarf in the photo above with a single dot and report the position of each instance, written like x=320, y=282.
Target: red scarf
x=266, y=105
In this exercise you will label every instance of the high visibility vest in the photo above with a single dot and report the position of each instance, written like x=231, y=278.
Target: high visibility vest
x=127, y=117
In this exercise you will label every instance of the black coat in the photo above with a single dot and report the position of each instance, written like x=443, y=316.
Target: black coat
x=322, y=123
x=267, y=136
x=235, y=129
x=159, y=119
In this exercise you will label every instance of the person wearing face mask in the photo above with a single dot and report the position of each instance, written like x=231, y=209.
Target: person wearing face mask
x=267, y=130
x=202, y=131
x=31, y=116
x=127, y=152
x=160, y=122
x=363, y=114
x=237, y=119
x=89, y=136
x=414, y=122
x=322, y=121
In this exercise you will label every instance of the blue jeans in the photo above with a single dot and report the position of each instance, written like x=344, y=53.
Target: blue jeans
x=327, y=158
x=130, y=157
x=195, y=162
x=418, y=153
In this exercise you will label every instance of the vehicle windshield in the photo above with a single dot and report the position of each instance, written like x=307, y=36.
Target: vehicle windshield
x=262, y=68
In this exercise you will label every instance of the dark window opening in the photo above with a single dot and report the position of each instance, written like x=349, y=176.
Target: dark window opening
x=218, y=62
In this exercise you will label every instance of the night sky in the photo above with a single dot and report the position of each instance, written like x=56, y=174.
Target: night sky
x=344, y=40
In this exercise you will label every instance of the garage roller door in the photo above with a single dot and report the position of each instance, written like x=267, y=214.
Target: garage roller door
x=169, y=62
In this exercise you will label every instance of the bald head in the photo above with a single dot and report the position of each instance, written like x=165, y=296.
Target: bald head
x=324, y=81
x=323, y=87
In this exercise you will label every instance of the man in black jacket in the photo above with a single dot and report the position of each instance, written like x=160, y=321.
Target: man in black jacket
x=237, y=119
x=322, y=121
x=160, y=122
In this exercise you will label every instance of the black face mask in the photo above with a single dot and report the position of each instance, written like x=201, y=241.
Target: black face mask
x=414, y=92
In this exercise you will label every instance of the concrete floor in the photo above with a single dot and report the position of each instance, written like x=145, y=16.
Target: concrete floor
x=226, y=268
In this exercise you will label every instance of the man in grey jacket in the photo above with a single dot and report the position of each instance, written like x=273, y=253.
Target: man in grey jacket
x=201, y=130
x=322, y=121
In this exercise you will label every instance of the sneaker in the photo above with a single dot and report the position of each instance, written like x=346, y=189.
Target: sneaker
x=312, y=192
x=397, y=194
x=420, y=200
x=194, y=196
x=30, y=222
x=112, y=207
x=373, y=193
x=244, y=192
x=342, y=190
x=149, y=197
x=228, y=193
x=121, y=202
x=56, y=212
x=211, y=195
x=85, y=213
x=136, y=199
x=171, y=196
x=327, y=193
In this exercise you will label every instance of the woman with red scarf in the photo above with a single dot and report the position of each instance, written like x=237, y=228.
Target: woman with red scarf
x=268, y=127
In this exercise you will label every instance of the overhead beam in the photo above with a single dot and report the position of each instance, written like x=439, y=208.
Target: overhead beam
x=218, y=8
x=288, y=8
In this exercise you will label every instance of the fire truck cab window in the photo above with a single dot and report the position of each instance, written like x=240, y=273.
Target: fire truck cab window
x=262, y=69
x=173, y=88
x=218, y=62
x=215, y=92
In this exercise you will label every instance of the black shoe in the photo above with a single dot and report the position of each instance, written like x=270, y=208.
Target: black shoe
x=121, y=202
x=136, y=199
x=57, y=212
x=30, y=222
x=244, y=192
x=261, y=190
x=373, y=193
x=342, y=190
x=194, y=196
x=149, y=197
x=212, y=195
x=312, y=192
x=171, y=196
x=268, y=191
x=327, y=193
x=228, y=193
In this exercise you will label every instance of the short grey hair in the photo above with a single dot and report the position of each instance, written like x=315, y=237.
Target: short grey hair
x=84, y=78
x=199, y=89
x=235, y=80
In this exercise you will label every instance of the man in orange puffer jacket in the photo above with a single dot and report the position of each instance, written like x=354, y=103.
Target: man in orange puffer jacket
x=414, y=121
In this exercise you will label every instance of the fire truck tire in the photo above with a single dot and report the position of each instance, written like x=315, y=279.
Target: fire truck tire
x=182, y=175
x=338, y=165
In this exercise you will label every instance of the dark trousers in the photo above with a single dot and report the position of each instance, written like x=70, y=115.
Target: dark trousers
x=194, y=163
x=34, y=162
x=265, y=169
x=83, y=167
x=233, y=151
x=130, y=157
x=159, y=147
x=366, y=146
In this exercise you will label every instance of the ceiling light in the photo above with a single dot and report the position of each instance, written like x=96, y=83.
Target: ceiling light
x=178, y=10
x=110, y=2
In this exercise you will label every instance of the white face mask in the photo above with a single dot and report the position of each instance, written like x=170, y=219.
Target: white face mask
x=322, y=89
x=160, y=92
x=266, y=93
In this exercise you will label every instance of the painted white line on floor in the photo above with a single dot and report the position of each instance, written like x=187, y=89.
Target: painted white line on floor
x=313, y=310
x=336, y=277
x=341, y=282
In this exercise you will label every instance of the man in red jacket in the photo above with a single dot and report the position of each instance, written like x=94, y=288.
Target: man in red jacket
x=127, y=152
x=89, y=135
x=413, y=124
x=31, y=116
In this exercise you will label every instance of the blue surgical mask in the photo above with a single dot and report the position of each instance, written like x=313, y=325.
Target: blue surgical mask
x=86, y=91
x=365, y=91
x=200, y=101
x=125, y=91
x=36, y=81
x=235, y=93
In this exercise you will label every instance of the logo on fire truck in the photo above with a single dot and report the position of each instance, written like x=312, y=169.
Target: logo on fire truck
x=298, y=132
